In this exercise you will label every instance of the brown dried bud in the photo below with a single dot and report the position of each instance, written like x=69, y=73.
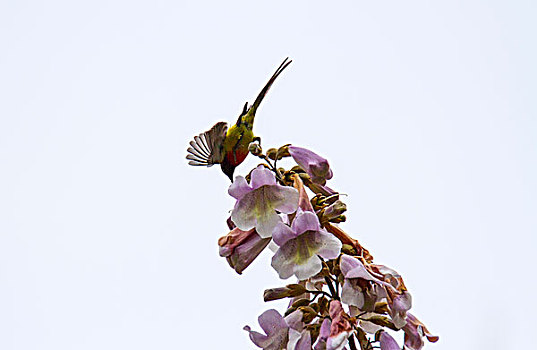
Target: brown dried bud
x=381, y=307
x=323, y=305
x=316, y=307
x=283, y=152
x=308, y=314
x=298, y=169
x=362, y=339
x=341, y=218
x=301, y=302
x=377, y=334
x=290, y=310
x=271, y=153
x=314, y=330
x=349, y=249
x=382, y=321
x=291, y=290
x=255, y=148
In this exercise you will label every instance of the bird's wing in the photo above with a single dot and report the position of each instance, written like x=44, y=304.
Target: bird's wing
x=207, y=148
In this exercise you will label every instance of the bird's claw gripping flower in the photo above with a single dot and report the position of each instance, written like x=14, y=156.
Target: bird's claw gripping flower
x=258, y=201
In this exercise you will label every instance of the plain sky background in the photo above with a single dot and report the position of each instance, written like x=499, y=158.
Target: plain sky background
x=108, y=239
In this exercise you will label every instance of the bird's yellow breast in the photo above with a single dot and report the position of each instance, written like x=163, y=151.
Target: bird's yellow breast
x=236, y=143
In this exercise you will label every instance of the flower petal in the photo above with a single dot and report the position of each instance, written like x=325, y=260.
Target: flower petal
x=262, y=176
x=305, y=342
x=242, y=215
x=351, y=295
x=316, y=166
x=283, y=198
x=353, y=268
x=239, y=188
x=330, y=246
x=246, y=252
x=282, y=233
x=282, y=264
x=337, y=342
x=305, y=221
x=387, y=342
x=294, y=320
x=308, y=268
x=257, y=338
x=267, y=220
x=270, y=321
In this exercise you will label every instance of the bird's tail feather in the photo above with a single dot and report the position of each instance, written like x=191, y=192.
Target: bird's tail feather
x=249, y=118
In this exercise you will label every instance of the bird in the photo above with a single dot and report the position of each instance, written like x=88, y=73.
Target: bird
x=228, y=146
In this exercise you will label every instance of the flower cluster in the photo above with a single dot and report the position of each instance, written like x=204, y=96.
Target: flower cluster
x=341, y=299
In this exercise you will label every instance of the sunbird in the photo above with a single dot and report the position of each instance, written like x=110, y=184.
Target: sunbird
x=229, y=146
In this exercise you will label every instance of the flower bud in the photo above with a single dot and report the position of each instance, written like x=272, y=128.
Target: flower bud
x=289, y=291
x=308, y=314
x=301, y=302
x=255, y=148
x=271, y=153
x=283, y=152
x=334, y=212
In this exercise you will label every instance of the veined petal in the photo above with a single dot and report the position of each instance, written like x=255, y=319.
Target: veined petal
x=283, y=198
x=308, y=268
x=270, y=321
x=294, y=320
x=282, y=233
x=351, y=295
x=338, y=342
x=282, y=264
x=353, y=268
x=257, y=338
x=239, y=188
x=387, y=342
x=304, y=343
x=316, y=166
x=305, y=221
x=262, y=176
x=324, y=333
x=242, y=215
x=294, y=337
x=267, y=219
x=330, y=246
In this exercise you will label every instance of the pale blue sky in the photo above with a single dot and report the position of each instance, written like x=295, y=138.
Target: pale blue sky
x=425, y=109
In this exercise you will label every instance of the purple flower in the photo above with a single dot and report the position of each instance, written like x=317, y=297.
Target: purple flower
x=276, y=329
x=387, y=342
x=258, y=201
x=316, y=166
x=360, y=288
x=299, y=340
x=301, y=244
x=334, y=335
x=414, y=332
x=281, y=333
x=399, y=299
x=240, y=248
x=340, y=329
x=324, y=333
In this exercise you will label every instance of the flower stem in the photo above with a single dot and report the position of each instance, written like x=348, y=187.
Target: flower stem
x=331, y=287
x=352, y=345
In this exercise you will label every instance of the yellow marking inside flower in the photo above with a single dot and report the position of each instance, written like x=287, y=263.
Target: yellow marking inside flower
x=303, y=251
